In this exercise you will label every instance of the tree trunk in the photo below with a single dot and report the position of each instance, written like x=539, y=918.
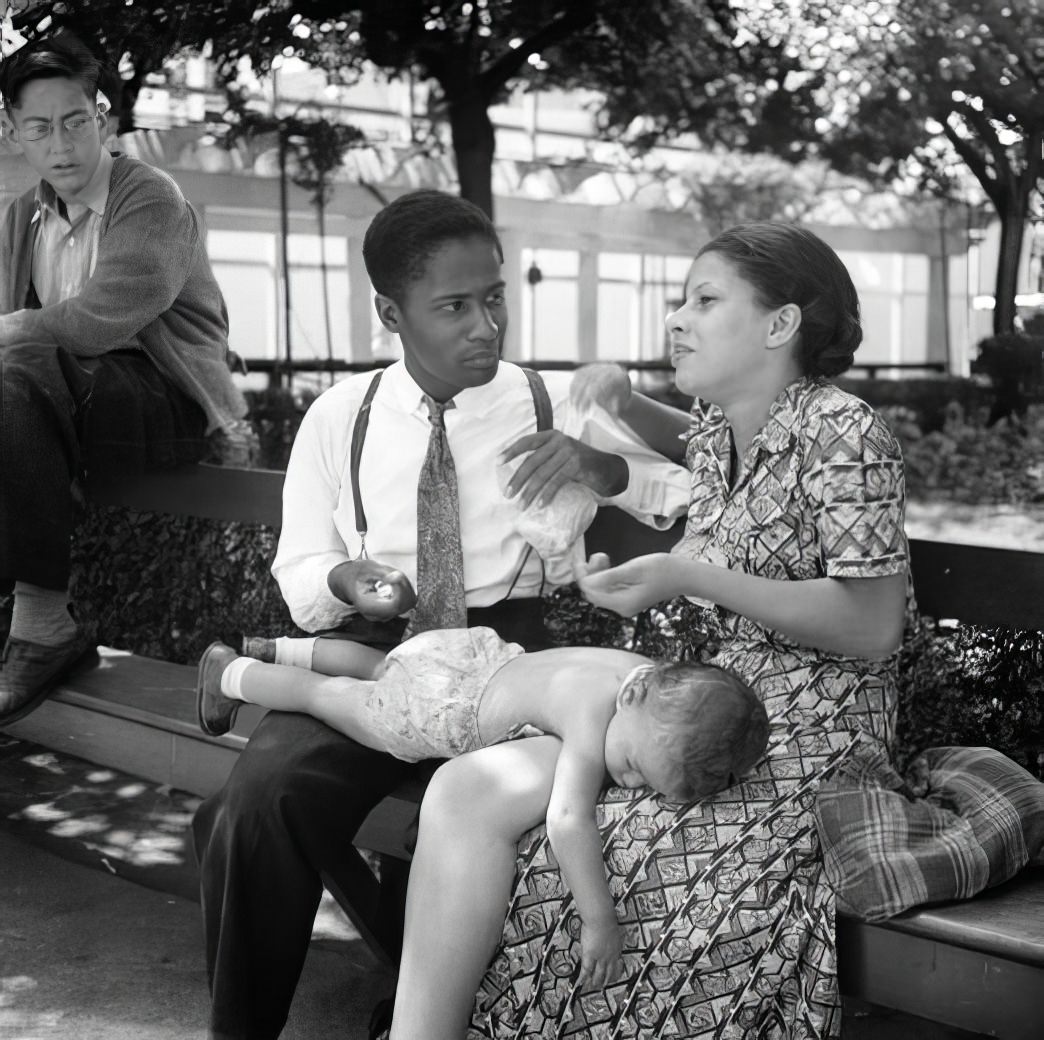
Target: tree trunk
x=474, y=142
x=1013, y=228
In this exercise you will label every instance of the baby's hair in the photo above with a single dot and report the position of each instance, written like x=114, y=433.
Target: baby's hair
x=59, y=56
x=712, y=726
x=407, y=233
x=787, y=264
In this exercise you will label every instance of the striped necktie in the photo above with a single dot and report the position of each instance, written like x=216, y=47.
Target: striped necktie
x=440, y=559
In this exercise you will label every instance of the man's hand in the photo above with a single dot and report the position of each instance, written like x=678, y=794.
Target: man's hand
x=601, y=953
x=554, y=459
x=377, y=591
x=605, y=385
x=629, y=588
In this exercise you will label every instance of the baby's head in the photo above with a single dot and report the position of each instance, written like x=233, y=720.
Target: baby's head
x=687, y=730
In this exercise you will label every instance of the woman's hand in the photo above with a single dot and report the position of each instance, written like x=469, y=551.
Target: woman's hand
x=605, y=385
x=629, y=588
x=601, y=953
x=377, y=591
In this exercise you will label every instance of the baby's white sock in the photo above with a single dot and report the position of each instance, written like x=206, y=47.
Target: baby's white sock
x=232, y=677
x=295, y=652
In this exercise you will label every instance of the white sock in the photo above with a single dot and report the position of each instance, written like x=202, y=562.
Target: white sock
x=295, y=652
x=232, y=677
x=41, y=615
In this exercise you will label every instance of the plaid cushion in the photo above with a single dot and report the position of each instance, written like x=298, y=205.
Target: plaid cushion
x=966, y=819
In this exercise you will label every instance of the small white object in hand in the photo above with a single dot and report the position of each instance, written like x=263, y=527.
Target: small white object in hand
x=383, y=589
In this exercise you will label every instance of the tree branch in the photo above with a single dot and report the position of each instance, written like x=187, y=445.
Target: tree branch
x=578, y=15
x=978, y=166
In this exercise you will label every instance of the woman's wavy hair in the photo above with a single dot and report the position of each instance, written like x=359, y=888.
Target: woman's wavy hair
x=787, y=264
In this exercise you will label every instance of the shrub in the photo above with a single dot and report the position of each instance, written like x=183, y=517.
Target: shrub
x=276, y=414
x=1014, y=363
x=927, y=400
x=167, y=586
x=968, y=460
x=972, y=686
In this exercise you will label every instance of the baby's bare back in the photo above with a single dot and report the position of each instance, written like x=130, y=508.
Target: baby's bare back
x=538, y=689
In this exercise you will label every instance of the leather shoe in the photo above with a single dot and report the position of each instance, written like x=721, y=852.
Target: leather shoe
x=216, y=712
x=31, y=671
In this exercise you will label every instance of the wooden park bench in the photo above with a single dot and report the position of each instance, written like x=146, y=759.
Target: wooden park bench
x=976, y=965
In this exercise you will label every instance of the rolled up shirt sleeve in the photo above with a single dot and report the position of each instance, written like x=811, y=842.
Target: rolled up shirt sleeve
x=657, y=491
x=857, y=476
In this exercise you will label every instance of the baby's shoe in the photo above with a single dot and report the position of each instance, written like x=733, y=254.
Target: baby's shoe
x=216, y=712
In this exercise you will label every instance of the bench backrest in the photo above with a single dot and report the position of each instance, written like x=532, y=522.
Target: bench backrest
x=1001, y=588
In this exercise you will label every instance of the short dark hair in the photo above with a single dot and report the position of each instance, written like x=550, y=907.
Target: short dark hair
x=712, y=727
x=407, y=233
x=59, y=56
x=787, y=264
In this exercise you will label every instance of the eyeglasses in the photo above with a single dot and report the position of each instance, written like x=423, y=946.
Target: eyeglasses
x=77, y=127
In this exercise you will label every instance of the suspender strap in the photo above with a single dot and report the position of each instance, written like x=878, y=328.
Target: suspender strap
x=545, y=420
x=358, y=437
x=545, y=417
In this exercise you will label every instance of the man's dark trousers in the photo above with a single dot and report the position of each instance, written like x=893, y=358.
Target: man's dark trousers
x=287, y=814
x=63, y=418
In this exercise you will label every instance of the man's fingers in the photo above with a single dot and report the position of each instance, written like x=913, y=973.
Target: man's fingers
x=539, y=478
x=528, y=442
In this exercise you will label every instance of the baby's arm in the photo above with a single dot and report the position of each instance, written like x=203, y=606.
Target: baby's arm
x=577, y=844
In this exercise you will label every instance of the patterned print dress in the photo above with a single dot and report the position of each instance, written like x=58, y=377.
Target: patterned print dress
x=729, y=923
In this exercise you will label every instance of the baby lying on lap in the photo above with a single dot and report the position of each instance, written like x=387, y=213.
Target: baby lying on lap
x=686, y=730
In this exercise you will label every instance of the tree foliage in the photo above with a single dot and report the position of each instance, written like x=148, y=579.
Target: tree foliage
x=664, y=67
x=935, y=90
x=931, y=92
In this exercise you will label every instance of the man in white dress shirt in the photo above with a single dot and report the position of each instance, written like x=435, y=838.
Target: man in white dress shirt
x=347, y=562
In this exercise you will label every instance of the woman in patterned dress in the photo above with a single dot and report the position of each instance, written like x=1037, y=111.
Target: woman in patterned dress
x=795, y=541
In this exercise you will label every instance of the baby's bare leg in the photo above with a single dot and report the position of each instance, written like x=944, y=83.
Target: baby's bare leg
x=335, y=700
x=474, y=811
x=343, y=657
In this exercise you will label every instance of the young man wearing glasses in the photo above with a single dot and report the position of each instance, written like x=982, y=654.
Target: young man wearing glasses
x=113, y=344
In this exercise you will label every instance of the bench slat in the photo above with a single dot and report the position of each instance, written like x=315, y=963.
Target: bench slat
x=940, y=981
x=995, y=588
x=251, y=496
x=1006, y=921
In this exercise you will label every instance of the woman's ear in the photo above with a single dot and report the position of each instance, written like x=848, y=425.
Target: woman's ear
x=785, y=326
x=387, y=311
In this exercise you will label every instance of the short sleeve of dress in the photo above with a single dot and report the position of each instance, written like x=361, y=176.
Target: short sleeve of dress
x=856, y=474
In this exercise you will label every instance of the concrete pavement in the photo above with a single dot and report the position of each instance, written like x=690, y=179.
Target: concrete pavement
x=85, y=955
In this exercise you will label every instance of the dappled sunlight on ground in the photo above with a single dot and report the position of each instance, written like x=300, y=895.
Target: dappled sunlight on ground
x=123, y=825
x=18, y=1023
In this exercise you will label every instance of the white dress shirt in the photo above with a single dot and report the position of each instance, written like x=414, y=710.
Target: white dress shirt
x=319, y=526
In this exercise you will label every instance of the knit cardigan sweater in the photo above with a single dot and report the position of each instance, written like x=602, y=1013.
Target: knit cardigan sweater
x=152, y=288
